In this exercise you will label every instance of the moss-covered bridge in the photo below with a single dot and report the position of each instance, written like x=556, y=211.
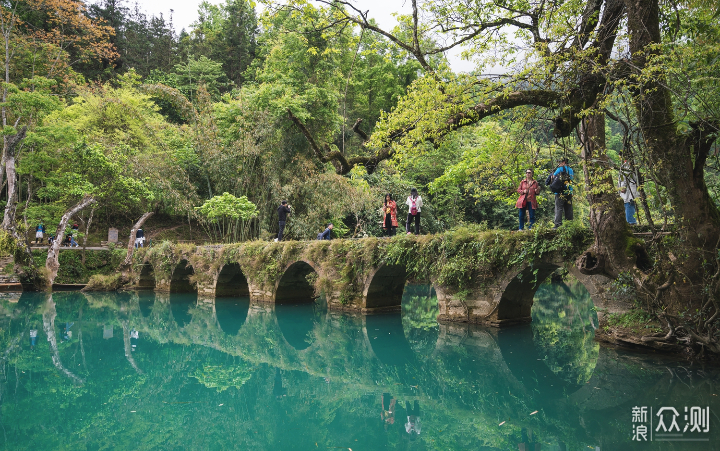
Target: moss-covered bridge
x=480, y=277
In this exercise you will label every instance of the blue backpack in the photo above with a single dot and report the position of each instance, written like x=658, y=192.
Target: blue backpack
x=560, y=182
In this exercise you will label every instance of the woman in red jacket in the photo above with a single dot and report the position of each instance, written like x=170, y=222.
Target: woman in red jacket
x=390, y=222
x=527, y=190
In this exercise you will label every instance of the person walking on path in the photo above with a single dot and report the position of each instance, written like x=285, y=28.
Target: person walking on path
x=327, y=234
x=560, y=183
x=39, y=232
x=414, y=203
x=628, y=192
x=283, y=211
x=139, y=238
x=528, y=189
x=390, y=222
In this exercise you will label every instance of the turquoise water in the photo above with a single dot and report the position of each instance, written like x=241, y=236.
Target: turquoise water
x=146, y=371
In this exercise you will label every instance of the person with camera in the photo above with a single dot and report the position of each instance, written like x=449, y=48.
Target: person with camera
x=560, y=183
x=528, y=189
x=390, y=222
x=283, y=211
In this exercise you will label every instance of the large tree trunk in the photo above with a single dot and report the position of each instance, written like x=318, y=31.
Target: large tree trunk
x=127, y=263
x=24, y=265
x=52, y=264
x=87, y=231
x=12, y=147
x=609, y=252
x=697, y=219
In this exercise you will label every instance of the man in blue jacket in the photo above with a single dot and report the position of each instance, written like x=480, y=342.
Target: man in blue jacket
x=327, y=234
x=563, y=200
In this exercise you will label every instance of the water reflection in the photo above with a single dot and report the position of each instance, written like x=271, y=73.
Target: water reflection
x=563, y=325
x=297, y=322
x=275, y=377
x=232, y=313
x=181, y=305
x=419, y=318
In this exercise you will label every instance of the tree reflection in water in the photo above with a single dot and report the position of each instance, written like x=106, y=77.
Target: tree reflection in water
x=563, y=324
x=419, y=318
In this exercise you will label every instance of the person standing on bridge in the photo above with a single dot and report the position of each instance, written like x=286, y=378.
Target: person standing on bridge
x=39, y=232
x=139, y=238
x=528, y=189
x=283, y=211
x=390, y=222
x=560, y=183
x=414, y=203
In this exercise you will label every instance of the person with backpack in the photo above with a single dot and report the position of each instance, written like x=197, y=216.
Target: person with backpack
x=327, y=234
x=560, y=183
x=414, y=203
x=528, y=189
x=39, y=232
x=390, y=222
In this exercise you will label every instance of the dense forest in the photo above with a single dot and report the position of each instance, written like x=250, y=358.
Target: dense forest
x=108, y=113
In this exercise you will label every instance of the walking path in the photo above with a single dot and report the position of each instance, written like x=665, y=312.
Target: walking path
x=63, y=248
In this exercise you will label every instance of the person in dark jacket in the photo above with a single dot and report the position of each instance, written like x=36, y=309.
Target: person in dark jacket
x=283, y=211
x=139, y=238
x=327, y=234
x=563, y=200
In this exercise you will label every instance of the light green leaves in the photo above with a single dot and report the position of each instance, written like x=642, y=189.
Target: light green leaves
x=228, y=206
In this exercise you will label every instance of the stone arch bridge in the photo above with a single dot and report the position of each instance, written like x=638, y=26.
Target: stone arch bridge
x=486, y=278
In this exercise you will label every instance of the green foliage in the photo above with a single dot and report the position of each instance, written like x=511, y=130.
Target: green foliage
x=72, y=270
x=563, y=328
x=228, y=216
x=101, y=282
x=634, y=319
x=222, y=377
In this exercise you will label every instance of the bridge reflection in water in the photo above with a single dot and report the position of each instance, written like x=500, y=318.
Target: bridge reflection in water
x=177, y=371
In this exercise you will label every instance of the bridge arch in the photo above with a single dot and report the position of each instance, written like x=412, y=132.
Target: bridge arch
x=146, y=280
x=384, y=288
x=515, y=300
x=180, y=281
x=231, y=281
x=232, y=302
x=294, y=285
x=407, y=336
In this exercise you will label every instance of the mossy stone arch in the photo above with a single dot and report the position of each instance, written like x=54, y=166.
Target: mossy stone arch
x=516, y=298
x=384, y=288
x=146, y=280
x=294, y=285
x=231, y=281
x=180, y=281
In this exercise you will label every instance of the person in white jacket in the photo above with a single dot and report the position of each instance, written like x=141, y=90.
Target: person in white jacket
x=414, y=203
x=628, y=192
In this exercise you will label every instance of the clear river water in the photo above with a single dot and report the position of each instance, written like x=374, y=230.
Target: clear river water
x=152, y=371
